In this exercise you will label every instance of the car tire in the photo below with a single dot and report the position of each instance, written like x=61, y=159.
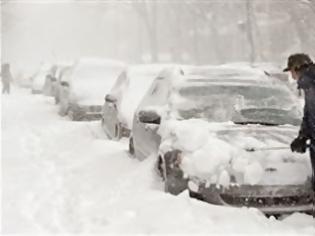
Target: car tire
x=117, y=132
x=174, y=185
x=160, y=168
x=174, y=181
x=71, y=115
x=196, y=195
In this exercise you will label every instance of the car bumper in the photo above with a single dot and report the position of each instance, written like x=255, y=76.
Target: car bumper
x=36, y=91
x=84, y=113
x=268, y=199
x=125, y=132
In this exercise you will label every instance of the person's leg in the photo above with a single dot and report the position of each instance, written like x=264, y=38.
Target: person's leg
x=312, y=154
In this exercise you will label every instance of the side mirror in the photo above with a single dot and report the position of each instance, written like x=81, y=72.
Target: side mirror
x=64, y=83
x=110, y=98
x=149, y=117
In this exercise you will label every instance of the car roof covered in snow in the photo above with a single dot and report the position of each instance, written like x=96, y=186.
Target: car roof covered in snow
x=92, y=78
x=232, y=74
x=170, y=80
x=131, y=86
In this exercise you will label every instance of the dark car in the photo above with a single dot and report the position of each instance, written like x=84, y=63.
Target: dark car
x=212, y=133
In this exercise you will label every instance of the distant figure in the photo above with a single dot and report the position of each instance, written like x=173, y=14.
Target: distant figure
x=6, y=78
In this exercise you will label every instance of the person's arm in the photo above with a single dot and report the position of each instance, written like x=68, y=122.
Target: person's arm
x=304, y=130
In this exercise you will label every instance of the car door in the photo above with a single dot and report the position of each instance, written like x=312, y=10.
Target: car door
x=64, y=98
x=110, y=120
x=145, y=137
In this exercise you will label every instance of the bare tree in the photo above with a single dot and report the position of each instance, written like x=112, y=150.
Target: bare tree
x=250, y=32
x=148, y=11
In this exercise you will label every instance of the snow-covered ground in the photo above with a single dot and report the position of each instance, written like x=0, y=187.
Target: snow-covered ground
x=60, y=176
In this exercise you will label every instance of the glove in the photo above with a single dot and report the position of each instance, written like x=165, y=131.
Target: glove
x=299, y=145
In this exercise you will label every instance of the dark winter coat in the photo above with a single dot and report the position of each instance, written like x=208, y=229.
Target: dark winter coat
x=307, y=84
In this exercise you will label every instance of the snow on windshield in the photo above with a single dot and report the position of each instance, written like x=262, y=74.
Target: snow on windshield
x=92, y=79
x=236, y=102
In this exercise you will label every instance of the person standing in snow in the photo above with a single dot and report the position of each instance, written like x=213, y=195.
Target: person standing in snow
x=6, y=78
x=302, y=70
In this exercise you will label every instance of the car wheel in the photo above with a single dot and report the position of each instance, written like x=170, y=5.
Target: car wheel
x=117, y=132
x=160, y=168
x=71, y=114
x=174, y=185
x=174, y=180
x=196, y=195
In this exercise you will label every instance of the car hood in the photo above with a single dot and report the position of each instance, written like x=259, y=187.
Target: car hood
x=218, y=152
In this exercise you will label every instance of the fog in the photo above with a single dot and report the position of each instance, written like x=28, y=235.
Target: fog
x=183, y=31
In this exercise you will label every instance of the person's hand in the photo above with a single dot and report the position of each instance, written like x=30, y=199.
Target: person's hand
x=299, y=145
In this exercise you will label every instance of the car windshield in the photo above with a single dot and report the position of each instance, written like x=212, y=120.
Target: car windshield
x=241, y=104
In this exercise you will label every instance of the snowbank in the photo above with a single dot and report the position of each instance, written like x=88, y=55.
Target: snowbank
x=62, y=177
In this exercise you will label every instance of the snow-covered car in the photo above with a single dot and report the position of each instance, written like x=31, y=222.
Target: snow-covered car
x=63, y=90
x=62, y=75
x=83, y=94
x=144, y=139
x=272, y=69
x=210, y=134
x=38, y=80
x=123, y=99
x=50, y=81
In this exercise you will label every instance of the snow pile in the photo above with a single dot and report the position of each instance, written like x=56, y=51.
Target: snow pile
x=215, y=151
x=92, y=79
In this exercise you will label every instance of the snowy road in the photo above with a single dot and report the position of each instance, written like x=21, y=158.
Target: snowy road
x=60, y=176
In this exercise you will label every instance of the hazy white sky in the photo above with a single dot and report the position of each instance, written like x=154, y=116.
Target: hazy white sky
x=35, y=31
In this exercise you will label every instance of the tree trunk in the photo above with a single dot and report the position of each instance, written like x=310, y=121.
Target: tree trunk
x=250, y=37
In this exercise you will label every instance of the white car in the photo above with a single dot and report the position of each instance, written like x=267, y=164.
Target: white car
x=123, y=99
x=86, y=85
x=38, y=80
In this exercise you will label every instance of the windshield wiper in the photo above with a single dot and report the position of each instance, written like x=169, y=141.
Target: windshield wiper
x=255, y=123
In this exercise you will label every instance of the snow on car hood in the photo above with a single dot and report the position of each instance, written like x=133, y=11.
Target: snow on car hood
x=217, y=151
